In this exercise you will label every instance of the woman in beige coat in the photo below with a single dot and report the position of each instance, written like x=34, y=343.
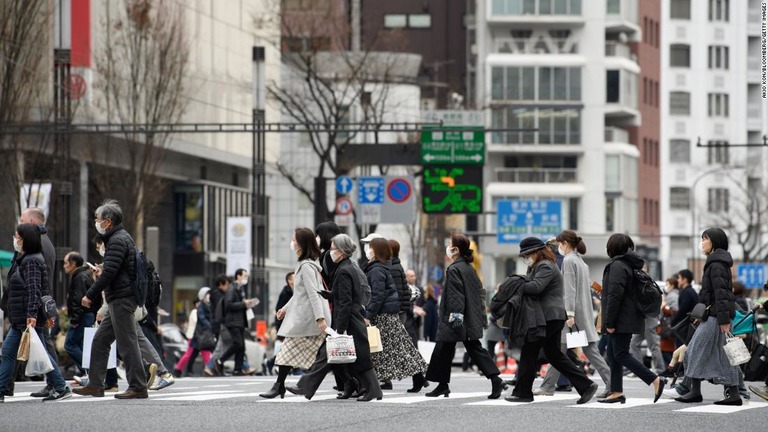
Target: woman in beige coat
x=305, y=316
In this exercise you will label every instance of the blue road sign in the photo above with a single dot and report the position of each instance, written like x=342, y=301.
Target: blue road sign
x=436, y=273
x=752, y=275
x=371, y=190
x=518, y=219
x=344, y=185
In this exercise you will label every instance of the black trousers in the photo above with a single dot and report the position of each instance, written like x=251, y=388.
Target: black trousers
x=439, y=369
x=237, y=348
x=529, y=354
x=311, y=379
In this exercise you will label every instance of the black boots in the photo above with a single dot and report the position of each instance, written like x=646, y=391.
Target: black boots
x=497, y=386
x=419, y=382
x=371, y=382
x=350, y=387
x=732, y=396
x=277, y=390
x=441, y=390
x=693, y=396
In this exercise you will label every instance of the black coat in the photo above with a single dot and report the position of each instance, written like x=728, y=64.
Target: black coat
x=26, y=284
x=234, y=306
x=282, y=300
x=685, y=303
x=348, y=312
x=618, y=305
x=544, y=284
x=217, y=296
x=403, y=291
x=716, y=286
x=116, y=280
x=463, y=293
x=79, y=283
x=518, y=312
x=384, y=296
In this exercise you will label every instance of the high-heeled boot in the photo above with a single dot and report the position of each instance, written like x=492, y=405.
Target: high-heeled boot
x=497, y=386
x=350, y=387
x=694, y=395
x=278, y=389
x=372, y=385
x=732, y=396
x=419, y=382
x=441, y=390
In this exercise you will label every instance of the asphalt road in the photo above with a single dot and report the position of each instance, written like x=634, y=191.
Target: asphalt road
x=233, y=404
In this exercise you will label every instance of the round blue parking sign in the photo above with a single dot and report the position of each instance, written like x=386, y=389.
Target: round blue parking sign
x=399, y=190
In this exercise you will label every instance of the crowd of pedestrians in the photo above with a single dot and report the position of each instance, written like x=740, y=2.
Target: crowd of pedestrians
x=378, y=302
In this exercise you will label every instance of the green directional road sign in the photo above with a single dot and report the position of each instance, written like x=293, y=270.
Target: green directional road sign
x=453, y=145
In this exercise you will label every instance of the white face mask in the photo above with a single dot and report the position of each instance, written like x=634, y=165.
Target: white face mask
x=101, y=250
x=528, y=261
x=369, y=253
x=244, y=281
x=560, y=250
x=450, y=252
x=317, y=239
x=100, y=230
x=16, y=245
x=293, y=246
x=335, y=255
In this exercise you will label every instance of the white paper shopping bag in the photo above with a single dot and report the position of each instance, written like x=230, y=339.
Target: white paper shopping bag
x=576, y=339
x=425, y=349
x=90, y=332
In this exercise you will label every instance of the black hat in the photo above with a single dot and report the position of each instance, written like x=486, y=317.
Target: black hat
x=531, y=244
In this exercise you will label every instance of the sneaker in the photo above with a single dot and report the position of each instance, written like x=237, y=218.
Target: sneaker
x=151, y=370
x=759, y=390
x=671, y=393
x=45, y=392
x=166, y=380
x=541, y=391
x=114, y=389
x=79, y=380
x=82, y=381
x=59, y=395
x=210, y=372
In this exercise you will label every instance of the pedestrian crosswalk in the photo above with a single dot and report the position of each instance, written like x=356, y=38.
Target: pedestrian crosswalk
x=204, y=390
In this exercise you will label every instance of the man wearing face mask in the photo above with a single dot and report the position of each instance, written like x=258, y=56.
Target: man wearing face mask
x=241, y=280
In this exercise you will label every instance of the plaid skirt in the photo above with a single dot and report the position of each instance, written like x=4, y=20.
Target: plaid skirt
x=299, y=352
x=399, y=359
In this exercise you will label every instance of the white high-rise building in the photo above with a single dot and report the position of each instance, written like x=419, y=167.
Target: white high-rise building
x=570, y=69
x=711, y=102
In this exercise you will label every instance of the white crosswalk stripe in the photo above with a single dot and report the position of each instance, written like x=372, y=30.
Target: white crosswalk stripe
x=537, y=399
x=722, y=409
x=631, y=403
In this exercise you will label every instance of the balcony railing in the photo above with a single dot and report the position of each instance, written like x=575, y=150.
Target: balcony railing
x=618, y=49
x=614, y=134
x=754, y=110
x=536, y=175
x=535, y=46
x=536, y=7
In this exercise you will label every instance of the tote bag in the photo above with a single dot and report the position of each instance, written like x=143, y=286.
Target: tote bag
x=89, y=333
x=576, y=339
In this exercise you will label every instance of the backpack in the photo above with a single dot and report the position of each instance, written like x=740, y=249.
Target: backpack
x=218, y=313
x=365, y=289
x=141, y=283
x=647, y=294
x=48, y=306
x=154, y=287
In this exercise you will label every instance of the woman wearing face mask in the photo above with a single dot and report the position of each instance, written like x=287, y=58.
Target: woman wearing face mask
x=399, y=359
x=544, y=285
x=462, y=319
x=705, y=358
x=305, y=316
x=621, y=318
x=27, y=283
x=347, y=318
x=578, y=309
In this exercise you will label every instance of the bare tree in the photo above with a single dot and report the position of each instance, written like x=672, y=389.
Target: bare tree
x=25, y=96
x=141, y=67
x=745, y=217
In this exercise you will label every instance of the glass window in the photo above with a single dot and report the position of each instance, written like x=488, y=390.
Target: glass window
x=612, y=86
x=610, y=214
x=574, y=81
x=560, y=84
x=613, y=7
x=679, y=151
x=717, y=200
x=612, y=175
x=680, y=55
x=497, y=83
x=679, y=198
x=420, y=21
x=545, y=83
x=680, y=9
x=718, y=10
x=680, y=103
x=513, y=83
x=717, y=152
x=394, y=21
x=717, y=104
x=560, y=127
x=528, y=83
x=545, y=126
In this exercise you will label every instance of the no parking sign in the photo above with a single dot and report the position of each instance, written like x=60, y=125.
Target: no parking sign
x=399, y=203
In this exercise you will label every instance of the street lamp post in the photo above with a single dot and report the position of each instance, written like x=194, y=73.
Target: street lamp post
x=258, y=188
x=692, y=200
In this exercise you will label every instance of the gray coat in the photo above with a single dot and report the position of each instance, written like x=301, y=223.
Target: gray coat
x=306, y=306
x=545, y=284
x=578, y=298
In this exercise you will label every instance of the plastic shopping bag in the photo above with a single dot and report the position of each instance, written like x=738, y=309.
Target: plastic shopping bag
x=340, y=348
x=38, y=363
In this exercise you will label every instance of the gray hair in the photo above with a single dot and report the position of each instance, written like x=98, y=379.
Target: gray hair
x=36, y=214
x=111, y=210
x=344, y=244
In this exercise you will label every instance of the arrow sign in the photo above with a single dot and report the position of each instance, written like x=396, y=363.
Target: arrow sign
x=343, y=185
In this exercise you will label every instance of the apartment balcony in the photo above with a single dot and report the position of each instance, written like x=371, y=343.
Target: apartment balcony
x=618, y=49
x=753, y=23
x=754, y=116
x=621, y=96
x=535, y=12
x=534, y=45
x=616, y=135
x=753, y=69
x=621, y=16
x=535, y=175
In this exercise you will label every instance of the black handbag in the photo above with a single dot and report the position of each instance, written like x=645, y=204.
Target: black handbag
x=206, y=340
x=683, y=330
x=757, y=367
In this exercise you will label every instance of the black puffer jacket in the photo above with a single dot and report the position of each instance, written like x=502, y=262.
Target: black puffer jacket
x=78, y=286
x=716, y=286
x=24, y=293
x=618, y=305
x=384, y=296
x=119, y=272
x=403, y=291
x=462, y=293
x=234, y=306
